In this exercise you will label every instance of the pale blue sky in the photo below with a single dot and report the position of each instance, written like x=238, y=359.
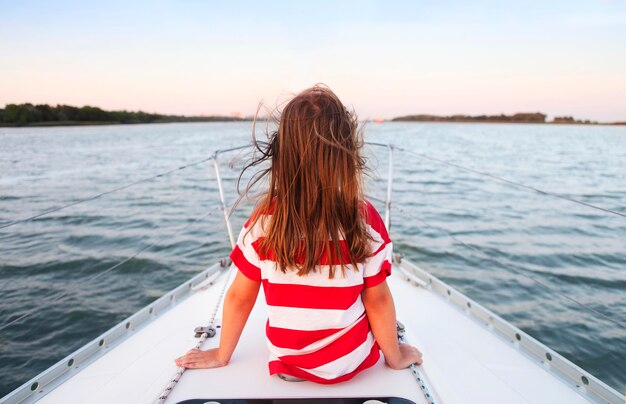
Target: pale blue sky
x=386, y=58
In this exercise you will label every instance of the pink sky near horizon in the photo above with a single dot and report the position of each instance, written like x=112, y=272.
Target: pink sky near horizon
x=170, y=61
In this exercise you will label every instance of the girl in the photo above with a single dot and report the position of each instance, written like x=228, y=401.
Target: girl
x=320, y=250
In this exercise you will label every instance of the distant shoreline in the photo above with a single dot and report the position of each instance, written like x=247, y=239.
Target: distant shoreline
x=521, y=117
x=61, y=124
x=516, y=123
x=108, y=123
x=43, y=115
x=29, y=115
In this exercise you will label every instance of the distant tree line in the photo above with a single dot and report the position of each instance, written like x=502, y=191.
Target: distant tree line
x=29, y=114
x=571, y=120
x=526, y=117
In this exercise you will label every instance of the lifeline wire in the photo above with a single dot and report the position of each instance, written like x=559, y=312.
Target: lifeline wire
x=62, y=294
x=91, y=198
x=510, y=182
x=519, y=272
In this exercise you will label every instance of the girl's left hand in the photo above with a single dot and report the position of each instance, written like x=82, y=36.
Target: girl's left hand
x=197, y=359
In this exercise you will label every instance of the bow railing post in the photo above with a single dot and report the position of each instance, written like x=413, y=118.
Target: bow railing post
x=223, y=201
x=389, y=187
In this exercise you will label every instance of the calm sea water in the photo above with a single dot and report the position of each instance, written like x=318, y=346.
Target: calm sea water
x=486, y=238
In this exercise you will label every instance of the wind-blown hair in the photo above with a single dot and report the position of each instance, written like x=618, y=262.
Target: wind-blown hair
x=315, y=193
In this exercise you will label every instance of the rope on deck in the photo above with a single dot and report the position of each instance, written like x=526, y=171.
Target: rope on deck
x=416, y=373
x=203, y=337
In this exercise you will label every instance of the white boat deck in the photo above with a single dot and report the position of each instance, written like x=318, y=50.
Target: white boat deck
x=465, y=360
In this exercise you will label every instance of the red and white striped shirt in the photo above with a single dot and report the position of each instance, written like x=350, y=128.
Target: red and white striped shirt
x=317, y=327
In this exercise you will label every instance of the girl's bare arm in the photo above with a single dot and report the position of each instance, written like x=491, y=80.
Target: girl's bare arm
x=381, y=314
x=238, y=304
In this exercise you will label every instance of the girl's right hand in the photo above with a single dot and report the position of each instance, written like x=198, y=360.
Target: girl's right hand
x=407, y=356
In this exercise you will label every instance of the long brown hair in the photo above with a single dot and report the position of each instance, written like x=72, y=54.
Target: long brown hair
x=315, y=194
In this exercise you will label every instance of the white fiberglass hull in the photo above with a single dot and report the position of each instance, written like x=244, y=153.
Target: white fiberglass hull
x=470, y=356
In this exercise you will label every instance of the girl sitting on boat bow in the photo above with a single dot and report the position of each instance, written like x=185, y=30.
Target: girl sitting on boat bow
x=321, y=252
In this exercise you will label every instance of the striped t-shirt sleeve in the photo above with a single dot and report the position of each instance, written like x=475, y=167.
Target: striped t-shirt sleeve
x=245, y=257
x=378, y=265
